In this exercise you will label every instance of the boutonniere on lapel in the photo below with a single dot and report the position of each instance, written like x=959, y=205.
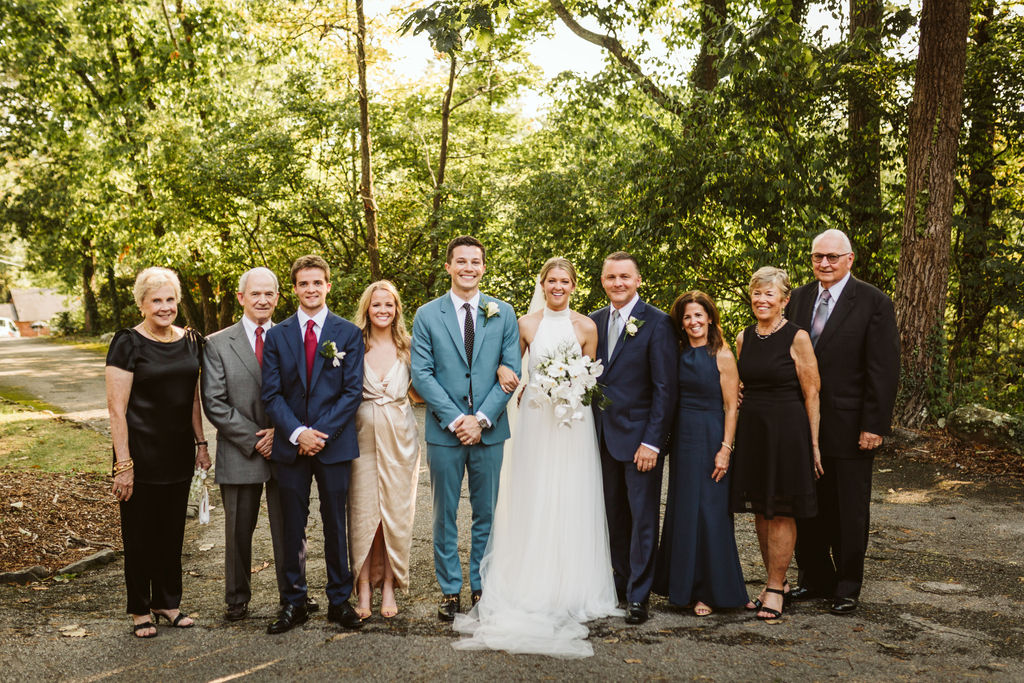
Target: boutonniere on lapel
x=329, y=350
x=490, y=309
x=633, y=326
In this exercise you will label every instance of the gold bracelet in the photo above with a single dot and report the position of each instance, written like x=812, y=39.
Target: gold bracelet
x=123, y=466
x=729, y=446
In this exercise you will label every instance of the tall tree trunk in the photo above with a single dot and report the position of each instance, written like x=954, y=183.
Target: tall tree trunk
x=865, y=143
x=712, y=19
x=921, y=281
x=974, y=298
x=442, y=165
x=92, y=311
x=226, y=307
x=115, y=300
x=366, y=186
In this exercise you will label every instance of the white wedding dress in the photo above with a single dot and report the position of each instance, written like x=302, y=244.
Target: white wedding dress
x=547, y=567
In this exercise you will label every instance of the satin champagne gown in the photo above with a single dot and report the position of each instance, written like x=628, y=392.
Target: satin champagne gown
x=385, y=475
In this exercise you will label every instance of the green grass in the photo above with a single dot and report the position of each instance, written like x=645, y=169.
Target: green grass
x=32, y=437
x=83, y=342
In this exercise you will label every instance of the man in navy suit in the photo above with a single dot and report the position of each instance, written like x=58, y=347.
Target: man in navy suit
x=637, y=346
x=312, y=387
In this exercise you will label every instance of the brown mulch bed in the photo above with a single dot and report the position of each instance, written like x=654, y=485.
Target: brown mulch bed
x=978, y=461
x=61, y=518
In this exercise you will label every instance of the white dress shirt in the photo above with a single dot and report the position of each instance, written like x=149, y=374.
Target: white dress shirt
x=318, y=326
x=474, y=309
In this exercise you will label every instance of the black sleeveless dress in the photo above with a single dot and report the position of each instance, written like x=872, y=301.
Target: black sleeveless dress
x=773, y=469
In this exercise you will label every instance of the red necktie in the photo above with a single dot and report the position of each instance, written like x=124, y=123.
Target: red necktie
x=259, y=345
x=310, y=350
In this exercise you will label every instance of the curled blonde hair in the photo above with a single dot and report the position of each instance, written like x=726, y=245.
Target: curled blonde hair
x=400, y=335
x=773, y=276
x=152, y=278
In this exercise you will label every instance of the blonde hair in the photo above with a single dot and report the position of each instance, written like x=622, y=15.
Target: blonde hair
x=400, y=335
x=557, y=262
x=770, y=275
x=152, y=278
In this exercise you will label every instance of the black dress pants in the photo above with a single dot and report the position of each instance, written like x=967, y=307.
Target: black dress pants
x=152, y=530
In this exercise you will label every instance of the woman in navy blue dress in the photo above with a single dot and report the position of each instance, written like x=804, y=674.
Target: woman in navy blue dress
x=698, y=563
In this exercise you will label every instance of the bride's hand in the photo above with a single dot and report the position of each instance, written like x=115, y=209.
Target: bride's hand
x=507, y=379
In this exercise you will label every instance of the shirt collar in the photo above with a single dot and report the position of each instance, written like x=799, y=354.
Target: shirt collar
x=318, y=319
x=250, y=326
x=628, y=308
x=835, y=290
x=474, y=301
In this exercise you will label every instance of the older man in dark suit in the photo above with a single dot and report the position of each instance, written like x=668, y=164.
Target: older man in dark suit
x=231, y=398
x=853, y=329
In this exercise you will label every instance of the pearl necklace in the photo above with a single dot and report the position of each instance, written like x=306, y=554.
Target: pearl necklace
x=775, y=329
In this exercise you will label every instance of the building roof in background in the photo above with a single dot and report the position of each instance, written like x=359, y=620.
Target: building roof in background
x=38, y=303
x=7, y=311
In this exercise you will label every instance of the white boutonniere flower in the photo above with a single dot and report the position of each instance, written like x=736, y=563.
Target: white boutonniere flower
x=633, y=326
x=491, y=309
x=329, y=350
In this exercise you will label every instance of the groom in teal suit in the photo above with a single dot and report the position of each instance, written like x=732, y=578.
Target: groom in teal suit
x=458, y=343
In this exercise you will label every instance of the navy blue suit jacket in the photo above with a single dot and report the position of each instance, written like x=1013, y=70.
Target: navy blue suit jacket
x=639, y=380
x=330, y=401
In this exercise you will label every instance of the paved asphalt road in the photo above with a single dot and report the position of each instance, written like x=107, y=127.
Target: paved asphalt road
x=944, y=599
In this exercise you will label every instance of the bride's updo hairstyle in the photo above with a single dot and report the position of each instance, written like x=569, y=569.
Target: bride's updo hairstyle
x=557, y=262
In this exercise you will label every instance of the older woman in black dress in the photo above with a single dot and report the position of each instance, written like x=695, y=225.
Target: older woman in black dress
x=157, y=430
x=777, y=457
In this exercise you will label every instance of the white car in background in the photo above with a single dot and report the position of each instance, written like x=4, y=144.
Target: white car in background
x=8, y=328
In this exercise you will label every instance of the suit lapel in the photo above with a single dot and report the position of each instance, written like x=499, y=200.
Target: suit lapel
x=481, y=327
x=846, y=303
x=451, y=321
x=327, y=334
x=806, y=312
x=240, y=346
x=294, y=342
x=637, y=312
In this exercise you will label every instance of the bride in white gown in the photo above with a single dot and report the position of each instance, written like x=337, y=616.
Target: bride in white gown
x=547, y=567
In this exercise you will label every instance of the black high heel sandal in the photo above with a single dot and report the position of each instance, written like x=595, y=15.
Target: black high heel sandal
x=773, y=613
x=787, y=597
x=176, y=622
x=143, y=626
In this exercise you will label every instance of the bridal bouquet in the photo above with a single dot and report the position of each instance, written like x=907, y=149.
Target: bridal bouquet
x=567, y=380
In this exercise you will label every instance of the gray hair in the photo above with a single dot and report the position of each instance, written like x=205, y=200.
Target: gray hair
x=773, y=276
x=259, y=270
x=836, y=233
x=153, y=278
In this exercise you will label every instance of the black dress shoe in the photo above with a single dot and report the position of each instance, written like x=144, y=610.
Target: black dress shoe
x=288, y=618
x=801, y=594
x=311, y=604
x=477, y=594
x=237, y=612
x=844, y=606
x=636, y=612
x=344, y=615
x=448, y=607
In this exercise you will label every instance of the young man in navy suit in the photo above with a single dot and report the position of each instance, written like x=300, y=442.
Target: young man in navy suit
x=637, y=346
x=312, y=387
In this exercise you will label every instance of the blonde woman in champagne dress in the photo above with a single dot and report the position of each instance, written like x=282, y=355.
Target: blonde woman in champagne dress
x=382, y=493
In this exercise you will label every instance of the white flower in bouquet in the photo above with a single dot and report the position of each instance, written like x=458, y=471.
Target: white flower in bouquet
x=567, y=381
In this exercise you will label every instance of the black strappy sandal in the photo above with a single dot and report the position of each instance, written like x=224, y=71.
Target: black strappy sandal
x=176, y=622
x=787, y=597
x=142, y=626
x=773, y=613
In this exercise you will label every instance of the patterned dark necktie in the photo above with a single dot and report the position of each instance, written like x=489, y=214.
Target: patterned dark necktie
x=820, y=317
x=310, y=350
x=468, y=332
x=259, y=345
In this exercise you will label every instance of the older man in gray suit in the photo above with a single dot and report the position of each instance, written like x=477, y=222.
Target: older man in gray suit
x=231, y=382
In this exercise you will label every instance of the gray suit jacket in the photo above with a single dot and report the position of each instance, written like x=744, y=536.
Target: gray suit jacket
x=230, y=385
